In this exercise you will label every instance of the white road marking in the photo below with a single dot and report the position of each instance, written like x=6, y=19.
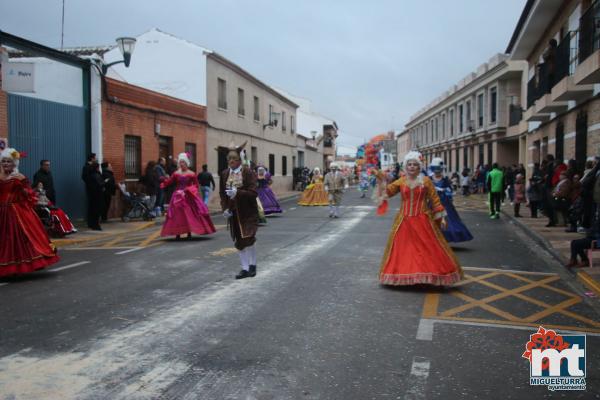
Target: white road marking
x=417, y=381
x=77, y=264
x=3, y=284
x=425, y=330
x=129, y=251
x=292, y=209
x=519, y=327
x=142, y=354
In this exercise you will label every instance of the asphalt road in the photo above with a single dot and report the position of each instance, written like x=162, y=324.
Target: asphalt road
x=168, y=321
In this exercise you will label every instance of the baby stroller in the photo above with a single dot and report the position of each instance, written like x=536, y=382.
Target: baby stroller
x=136, y=206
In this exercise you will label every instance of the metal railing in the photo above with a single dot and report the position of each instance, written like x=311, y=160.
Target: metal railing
x=539, y=85
x=589, y=31
x=566, y=54
x=515, y=114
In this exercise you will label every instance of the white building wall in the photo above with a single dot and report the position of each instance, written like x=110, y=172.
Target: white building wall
x=165, y=64
x=54, y=81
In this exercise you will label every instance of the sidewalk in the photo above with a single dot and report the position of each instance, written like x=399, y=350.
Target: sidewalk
x=115, y=227
x=557, y=242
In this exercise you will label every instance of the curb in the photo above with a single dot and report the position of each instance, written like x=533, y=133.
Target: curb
x=589, y=282
x=69, y=242
x=581, y=276
x=539, y=238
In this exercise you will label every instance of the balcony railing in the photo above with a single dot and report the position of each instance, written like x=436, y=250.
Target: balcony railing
x=515, y=114
x=566, y=56
x=589, y=32
x=539, y=85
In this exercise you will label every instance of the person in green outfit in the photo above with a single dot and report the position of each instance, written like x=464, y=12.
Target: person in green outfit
x=495, y=184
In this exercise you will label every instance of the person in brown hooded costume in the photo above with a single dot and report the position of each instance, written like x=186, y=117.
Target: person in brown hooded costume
x=237, y=189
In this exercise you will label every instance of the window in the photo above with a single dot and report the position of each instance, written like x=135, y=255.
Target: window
x=480, y=155
x=292, y=124
x=190, y=149
x=452, y=122
x=469, y=123
x=560, y=141
x=457, y=160
x=436, y=129
x=480, y=110
x=270, y=114
x=283, y=124
x=222, y=100
x=133, y=157
x=254, y=154
x=461, y=120
x=465, y=156
x=284, y=165
x=256, y=109
x=493, y=104
x=490, y=153
x=300, y=159
x=272, y=164
x=443, y=126
x=241, y=107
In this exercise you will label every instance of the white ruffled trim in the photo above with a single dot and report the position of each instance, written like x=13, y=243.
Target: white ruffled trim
x=440, y=215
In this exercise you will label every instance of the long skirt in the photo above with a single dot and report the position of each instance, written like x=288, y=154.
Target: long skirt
x=187, y=214
x=418, y=253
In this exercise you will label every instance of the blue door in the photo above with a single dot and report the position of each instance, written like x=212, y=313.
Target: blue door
x=56, y=132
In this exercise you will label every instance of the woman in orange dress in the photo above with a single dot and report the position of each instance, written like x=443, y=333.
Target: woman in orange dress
x=24, y=244
x=315, y=194
x=417, y=251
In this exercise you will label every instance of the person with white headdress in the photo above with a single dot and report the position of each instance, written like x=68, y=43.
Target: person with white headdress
x=25, y=246
x=314, y=194
x=335, y=185
x=238, y=192
x=266, y=196
x=187, y=213
x=416, y=251
x=455, y=230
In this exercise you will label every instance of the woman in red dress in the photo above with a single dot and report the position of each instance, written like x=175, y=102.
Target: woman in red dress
x=25, y=246
x=417, y=251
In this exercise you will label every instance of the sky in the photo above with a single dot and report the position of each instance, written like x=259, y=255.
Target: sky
x=368, y=65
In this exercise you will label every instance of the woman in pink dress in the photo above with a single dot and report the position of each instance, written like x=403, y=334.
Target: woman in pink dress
x=187, y=213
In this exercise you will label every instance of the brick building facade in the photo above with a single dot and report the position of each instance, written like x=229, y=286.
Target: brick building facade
x=139, y=125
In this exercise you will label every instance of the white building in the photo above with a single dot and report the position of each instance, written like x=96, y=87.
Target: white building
x=240, y=108
x=319, y=131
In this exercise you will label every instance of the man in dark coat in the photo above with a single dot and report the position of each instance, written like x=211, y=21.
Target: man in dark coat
x=110, y=189
x=85, y=177
x=237, y=189
x=44, y=176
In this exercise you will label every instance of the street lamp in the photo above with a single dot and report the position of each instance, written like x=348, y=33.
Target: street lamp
x=126, y=47
x=273, y=119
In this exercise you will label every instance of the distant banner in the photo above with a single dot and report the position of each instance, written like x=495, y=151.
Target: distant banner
x=18, y=77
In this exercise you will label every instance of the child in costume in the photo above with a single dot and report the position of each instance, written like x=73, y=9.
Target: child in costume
x=455, y=231
x=417, y=251
x=267, y=198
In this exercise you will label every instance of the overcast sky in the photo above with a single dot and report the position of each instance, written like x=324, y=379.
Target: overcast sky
x=369, y=65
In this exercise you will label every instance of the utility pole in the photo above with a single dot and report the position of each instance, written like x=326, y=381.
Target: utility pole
x=62, y=32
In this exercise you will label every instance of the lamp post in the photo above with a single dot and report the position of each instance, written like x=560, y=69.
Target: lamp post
x=273, y=119
x=126, y=47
